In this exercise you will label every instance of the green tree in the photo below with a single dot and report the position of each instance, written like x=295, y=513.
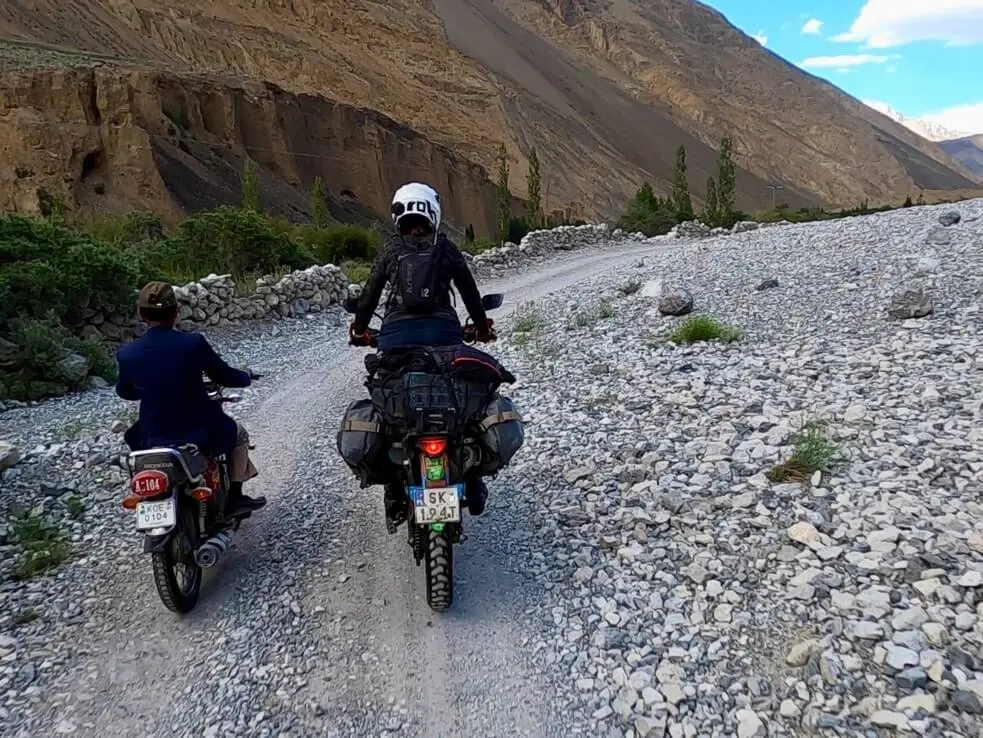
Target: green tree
x=921, y=199
x=681, y=200
x=252, y=195
x=647, y=213
x=534, y=212
x=319, y=210
x=469, y=233
x=711, y=213
x=907, y=202
x=504, y=196
x=726, y=183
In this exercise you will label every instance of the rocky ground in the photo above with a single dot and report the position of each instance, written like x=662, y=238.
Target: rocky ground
x=698, y=597
x=665, y=581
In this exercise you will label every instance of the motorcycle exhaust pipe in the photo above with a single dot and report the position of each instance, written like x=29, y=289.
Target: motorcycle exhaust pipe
x=211, y=550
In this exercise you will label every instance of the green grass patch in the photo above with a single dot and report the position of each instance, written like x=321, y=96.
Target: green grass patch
x=703, y=328
x=812, y=451
x=43, y=545
x=75, y=507
x=527, y=318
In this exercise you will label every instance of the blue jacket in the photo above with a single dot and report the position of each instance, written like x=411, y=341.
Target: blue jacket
x=163, y=371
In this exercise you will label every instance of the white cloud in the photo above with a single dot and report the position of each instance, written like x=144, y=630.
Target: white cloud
x=812, y=26
x=961, y=118
x=842, y=61
x=761, y=38
x=886, y=23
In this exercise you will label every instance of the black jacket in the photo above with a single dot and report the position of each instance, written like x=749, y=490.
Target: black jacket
x=163, y=371
x=455, y=269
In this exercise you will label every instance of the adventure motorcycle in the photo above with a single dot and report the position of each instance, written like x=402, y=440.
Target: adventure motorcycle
x=180, y=497
x=425, y=424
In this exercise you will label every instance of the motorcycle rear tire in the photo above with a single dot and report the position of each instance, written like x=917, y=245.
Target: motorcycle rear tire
x=439, y=561
x=176, y=598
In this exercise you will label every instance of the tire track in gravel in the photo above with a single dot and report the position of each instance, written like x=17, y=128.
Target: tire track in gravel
x=288, y=641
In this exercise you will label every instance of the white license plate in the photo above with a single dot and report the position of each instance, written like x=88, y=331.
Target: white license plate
x=157, y=514
x=437, y=504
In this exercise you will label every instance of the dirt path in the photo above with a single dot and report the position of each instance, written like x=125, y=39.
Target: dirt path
x=315, y=622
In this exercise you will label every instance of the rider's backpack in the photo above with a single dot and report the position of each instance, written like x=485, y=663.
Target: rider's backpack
x=417, y=285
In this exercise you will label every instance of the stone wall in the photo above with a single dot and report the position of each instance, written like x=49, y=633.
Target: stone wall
x=537, y=245
x=216, y=300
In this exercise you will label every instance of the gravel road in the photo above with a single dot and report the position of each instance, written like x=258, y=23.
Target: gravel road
x=315, y=622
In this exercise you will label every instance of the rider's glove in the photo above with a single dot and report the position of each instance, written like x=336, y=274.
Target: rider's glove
x=486, y=334
x=355, y=338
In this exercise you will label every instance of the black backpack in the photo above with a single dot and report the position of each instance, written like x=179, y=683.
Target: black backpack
x=417, y=284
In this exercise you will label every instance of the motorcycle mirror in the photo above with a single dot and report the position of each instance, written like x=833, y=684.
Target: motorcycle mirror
x=350, y=305
x=492, y=301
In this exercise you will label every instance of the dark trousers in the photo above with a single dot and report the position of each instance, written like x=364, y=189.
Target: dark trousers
x=420, y=332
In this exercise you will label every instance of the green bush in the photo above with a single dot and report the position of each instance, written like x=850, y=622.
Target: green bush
x=54, y=275
x=47, y=267
x=356, y=271
x=648, y=214
x=339, y=243
x=50, y=360
x=229, y=240
x=518, y=227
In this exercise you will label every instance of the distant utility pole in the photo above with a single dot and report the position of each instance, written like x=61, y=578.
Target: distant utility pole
x=773, y=188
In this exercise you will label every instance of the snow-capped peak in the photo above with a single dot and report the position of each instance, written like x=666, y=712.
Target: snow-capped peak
x=924, y=128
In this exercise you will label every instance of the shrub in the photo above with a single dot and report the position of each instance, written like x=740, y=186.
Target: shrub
x=518, y=227
x=339, y=243
x=228, y=240
x=50, y=360
x=812, y=452
x=47, y=267
x=648, y=214
x=703, y=328
x=357, y=271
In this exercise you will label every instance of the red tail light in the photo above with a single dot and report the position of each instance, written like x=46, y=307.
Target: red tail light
x=433, y=446
x=149, y=483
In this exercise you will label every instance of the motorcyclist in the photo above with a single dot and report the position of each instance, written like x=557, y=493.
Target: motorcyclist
x=420, y=264
x=163, y=370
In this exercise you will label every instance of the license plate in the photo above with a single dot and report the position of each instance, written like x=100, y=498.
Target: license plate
x=437, y=504
x=157, y=514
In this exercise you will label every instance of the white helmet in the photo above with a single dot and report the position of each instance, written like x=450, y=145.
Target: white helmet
x=417, y=198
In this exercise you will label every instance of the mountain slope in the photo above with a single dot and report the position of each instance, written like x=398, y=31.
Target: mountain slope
x=114, y=140
x=968, y=150
x=605, y=90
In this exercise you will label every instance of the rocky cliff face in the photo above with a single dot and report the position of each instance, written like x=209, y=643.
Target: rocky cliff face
x=114, y=140
x=606, y=91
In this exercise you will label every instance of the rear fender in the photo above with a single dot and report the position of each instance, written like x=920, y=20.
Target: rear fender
x=157, y=544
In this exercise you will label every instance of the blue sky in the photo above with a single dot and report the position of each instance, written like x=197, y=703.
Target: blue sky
x=923, y=58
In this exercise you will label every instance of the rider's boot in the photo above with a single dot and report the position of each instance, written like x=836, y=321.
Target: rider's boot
x=475, y=494
x=238, y=502
x=394, y=500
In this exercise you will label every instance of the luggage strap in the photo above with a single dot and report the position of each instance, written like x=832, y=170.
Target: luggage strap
x=497, y=418
x=361, y=426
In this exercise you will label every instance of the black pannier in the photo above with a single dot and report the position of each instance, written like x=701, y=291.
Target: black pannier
x=362, y=441
x=502, y=434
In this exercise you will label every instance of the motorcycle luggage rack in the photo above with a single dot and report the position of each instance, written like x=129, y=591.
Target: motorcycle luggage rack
x=177, y=454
